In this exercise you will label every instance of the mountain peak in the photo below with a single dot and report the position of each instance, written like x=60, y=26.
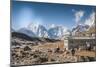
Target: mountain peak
x=38, y=30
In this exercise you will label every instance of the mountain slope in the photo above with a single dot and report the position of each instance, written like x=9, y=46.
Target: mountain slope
x=26, y=31
x=80, y=28
x=37, y=30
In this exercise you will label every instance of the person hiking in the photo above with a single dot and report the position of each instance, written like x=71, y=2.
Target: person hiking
x=88, y=46
x=73, y=51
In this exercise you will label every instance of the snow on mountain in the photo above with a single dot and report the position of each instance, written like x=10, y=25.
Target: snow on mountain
x=42, y=31
x=27, y=32
x=57, y=32
x=80, y=28
x=91, y=20
x=37, y=30
x=33, y=27
x=87, y=25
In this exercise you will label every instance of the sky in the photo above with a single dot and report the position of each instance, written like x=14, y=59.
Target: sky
x=67, y=15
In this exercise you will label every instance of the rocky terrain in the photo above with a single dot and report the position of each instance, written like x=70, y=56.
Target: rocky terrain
x=27, y=51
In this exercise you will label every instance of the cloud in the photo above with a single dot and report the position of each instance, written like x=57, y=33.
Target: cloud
x=73, y=10
x=78, y=15
x=91, y=20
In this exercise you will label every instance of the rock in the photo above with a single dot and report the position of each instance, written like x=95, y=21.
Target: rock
x=27, y=48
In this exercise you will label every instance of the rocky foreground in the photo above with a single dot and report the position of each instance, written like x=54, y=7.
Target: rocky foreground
x=28, y=51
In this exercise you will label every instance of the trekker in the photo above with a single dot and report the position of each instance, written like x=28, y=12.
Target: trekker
x=73, y=51
x=88, y=46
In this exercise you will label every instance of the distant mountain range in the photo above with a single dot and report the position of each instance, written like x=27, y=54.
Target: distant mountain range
x=83, y=28
x=22, y=36
x=34, y=30
x=53, y=32
x=80, y=28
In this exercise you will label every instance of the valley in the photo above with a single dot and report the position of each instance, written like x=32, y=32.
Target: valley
x=27, y=51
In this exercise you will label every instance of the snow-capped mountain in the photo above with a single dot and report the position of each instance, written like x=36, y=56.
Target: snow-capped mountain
x=80, y=28
x=27, y=32
x=57, y=32
x=37, y=30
